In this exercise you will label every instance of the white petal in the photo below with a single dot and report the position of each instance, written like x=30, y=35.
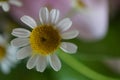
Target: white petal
x=15, y=2
x=12, y=59
x=68, y=47
x=32, y=61
x=20, y=42
x=70, y=35
x=54, y=16
x=12, y=51
x=11, y=54
x=5, y=68
x=7, y=61
x=41, y=64
x=24, y=52
x=29, y=21
x=20, y=32
x=44, y=15
x=65, y=24
x=5, y=6
x=54, y=62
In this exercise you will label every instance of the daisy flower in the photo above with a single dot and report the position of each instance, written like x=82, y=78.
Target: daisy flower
x=5, y=4
x=42, y=42
x=7, y=56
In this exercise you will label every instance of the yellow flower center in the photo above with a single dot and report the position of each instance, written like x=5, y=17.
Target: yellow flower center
x=44, y=39
x=80, y=4
x=2, y=52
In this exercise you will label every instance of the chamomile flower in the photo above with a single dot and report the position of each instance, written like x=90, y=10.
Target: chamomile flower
x=42, y=42
x=5, y=4
x=7, y=56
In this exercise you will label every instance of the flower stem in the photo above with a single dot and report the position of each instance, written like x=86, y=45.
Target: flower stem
x=81, y=68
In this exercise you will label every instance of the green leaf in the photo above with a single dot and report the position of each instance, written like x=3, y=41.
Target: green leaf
x=78, y=66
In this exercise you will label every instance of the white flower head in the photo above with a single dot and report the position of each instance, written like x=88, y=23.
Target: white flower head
x=7, y=56
x=5, y=4
x=41, y=43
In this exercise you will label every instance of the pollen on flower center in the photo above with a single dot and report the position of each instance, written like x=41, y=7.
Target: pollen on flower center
x=80, y=3
x=2, y=52
x=44, y=39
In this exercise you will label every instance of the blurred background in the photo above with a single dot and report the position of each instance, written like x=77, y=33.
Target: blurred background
x=98, y=55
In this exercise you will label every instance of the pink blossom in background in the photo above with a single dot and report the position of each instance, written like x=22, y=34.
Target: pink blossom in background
x=92, y=22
